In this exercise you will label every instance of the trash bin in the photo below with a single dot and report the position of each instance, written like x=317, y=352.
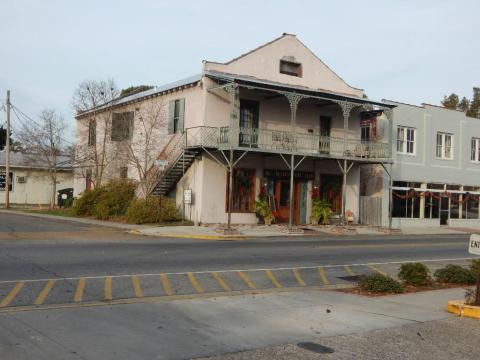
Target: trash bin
x=65, y=197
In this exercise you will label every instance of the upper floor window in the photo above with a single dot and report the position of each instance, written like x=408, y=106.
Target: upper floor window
x=444, y=146
x=176, y=116
x=122, y=126
x=92, y=132
x=290, y=68
x=475, y=154
x=406, y=140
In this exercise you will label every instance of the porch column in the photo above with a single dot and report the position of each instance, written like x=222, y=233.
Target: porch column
x=233, y=92
x=389, y=115
x=293, y=99
x=346, y=109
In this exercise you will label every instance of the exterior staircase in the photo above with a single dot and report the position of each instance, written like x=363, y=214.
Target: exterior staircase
x=177, y=159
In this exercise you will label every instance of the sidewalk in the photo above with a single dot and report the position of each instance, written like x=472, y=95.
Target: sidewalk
x=258, y=231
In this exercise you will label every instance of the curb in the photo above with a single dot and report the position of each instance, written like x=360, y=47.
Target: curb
x=458, y=307
x=193, y=236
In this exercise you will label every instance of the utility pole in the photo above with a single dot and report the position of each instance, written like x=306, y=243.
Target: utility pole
x=7, y=156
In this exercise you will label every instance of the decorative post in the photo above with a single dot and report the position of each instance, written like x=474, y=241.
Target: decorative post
x=232, y=91
x=346, y=109
x=293, y=99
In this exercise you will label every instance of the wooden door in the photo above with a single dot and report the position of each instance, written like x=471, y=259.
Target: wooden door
x=282, y=198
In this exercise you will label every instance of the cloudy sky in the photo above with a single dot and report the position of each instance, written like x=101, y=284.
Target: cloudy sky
x=410, y=51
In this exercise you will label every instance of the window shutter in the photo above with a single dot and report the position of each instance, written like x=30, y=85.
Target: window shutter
x=130, y=125
x=181, y=115
x=171, y=115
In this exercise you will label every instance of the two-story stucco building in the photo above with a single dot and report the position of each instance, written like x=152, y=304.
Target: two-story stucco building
x=276, y=120
x=436, y=171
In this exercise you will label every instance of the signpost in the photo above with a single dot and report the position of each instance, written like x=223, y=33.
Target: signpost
x=474, y=248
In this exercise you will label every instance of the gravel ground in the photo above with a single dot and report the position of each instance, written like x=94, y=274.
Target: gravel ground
x=453, y=338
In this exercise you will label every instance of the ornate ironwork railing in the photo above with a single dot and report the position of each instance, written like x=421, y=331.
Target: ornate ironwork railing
x=285, y=141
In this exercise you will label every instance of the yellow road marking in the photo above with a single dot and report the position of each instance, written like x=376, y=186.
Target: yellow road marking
x=12, y=294
x=44, y=293
x=79, y=291
x=166, y=284
x=298, y=277
x=273, y=279
x=323, y=276
x=108, y=288
x=377, y=270
x=136, y=286
x=247, y=280
x=221, y=282
x=349, y=270
x=196, y=285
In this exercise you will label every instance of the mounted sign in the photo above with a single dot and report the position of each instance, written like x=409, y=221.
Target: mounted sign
x=474, y=244
x=162, y=164
x=3, y=181
x=187, y=196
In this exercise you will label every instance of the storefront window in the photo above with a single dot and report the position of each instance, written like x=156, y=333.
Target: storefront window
x=470, y=207
x=406, y=204
x=432, y=206
x=243, y=190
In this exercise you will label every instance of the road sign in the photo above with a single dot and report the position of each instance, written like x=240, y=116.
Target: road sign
x=474, y=244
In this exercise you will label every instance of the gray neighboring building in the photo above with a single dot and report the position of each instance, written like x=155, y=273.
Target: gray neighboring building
x=436, y=167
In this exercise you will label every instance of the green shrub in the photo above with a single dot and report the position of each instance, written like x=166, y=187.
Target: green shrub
x=475, y=267
x=416, y=274
x=169, y=211
x=455, y=274
x=377, y=283
x=152, y=210
x=83, y=206
x=114, y=199
x=111, y=199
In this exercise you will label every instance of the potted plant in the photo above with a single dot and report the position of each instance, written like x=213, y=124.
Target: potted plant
x=350, y=216
x=321, y=212
x=263, y=209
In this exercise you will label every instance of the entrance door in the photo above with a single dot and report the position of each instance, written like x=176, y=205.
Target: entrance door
x=282, y=197
x=444, y=210
x=248, y=123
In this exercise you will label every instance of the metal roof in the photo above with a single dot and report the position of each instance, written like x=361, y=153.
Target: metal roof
x=34, y=161
x=267, y=84
x=151, y=92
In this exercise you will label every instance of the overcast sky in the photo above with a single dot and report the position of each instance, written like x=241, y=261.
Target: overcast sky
x=409, y=51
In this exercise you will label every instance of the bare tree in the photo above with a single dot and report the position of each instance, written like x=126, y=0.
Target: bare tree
x=45, y=142
x=142, y=150
x=94, y=98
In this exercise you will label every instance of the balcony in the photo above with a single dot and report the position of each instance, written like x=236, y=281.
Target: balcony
x=285, y=142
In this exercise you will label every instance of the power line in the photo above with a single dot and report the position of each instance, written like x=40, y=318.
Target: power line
x=15, y=109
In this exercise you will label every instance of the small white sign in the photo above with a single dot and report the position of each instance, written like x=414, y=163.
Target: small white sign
x=187, y=196
x=474, y=244
x=162, y=164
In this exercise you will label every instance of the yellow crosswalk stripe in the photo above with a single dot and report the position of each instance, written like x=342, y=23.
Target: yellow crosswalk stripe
x=196, y=285
x=108, y=288
x=377, y=270
x=298, y=277
x=79, y=291
x=247, y=280
x=136, y=286
x=166, y=284
x=323, y=276
x=221, y=281
x=349, y=270
x=44, y=293
x=11, y=295
x=273, y=279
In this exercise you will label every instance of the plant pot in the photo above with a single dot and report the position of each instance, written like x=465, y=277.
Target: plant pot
x=268, y=220
x=260, y=219
x=314, y=221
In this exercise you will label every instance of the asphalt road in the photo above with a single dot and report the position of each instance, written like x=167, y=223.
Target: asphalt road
x=34, y=248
